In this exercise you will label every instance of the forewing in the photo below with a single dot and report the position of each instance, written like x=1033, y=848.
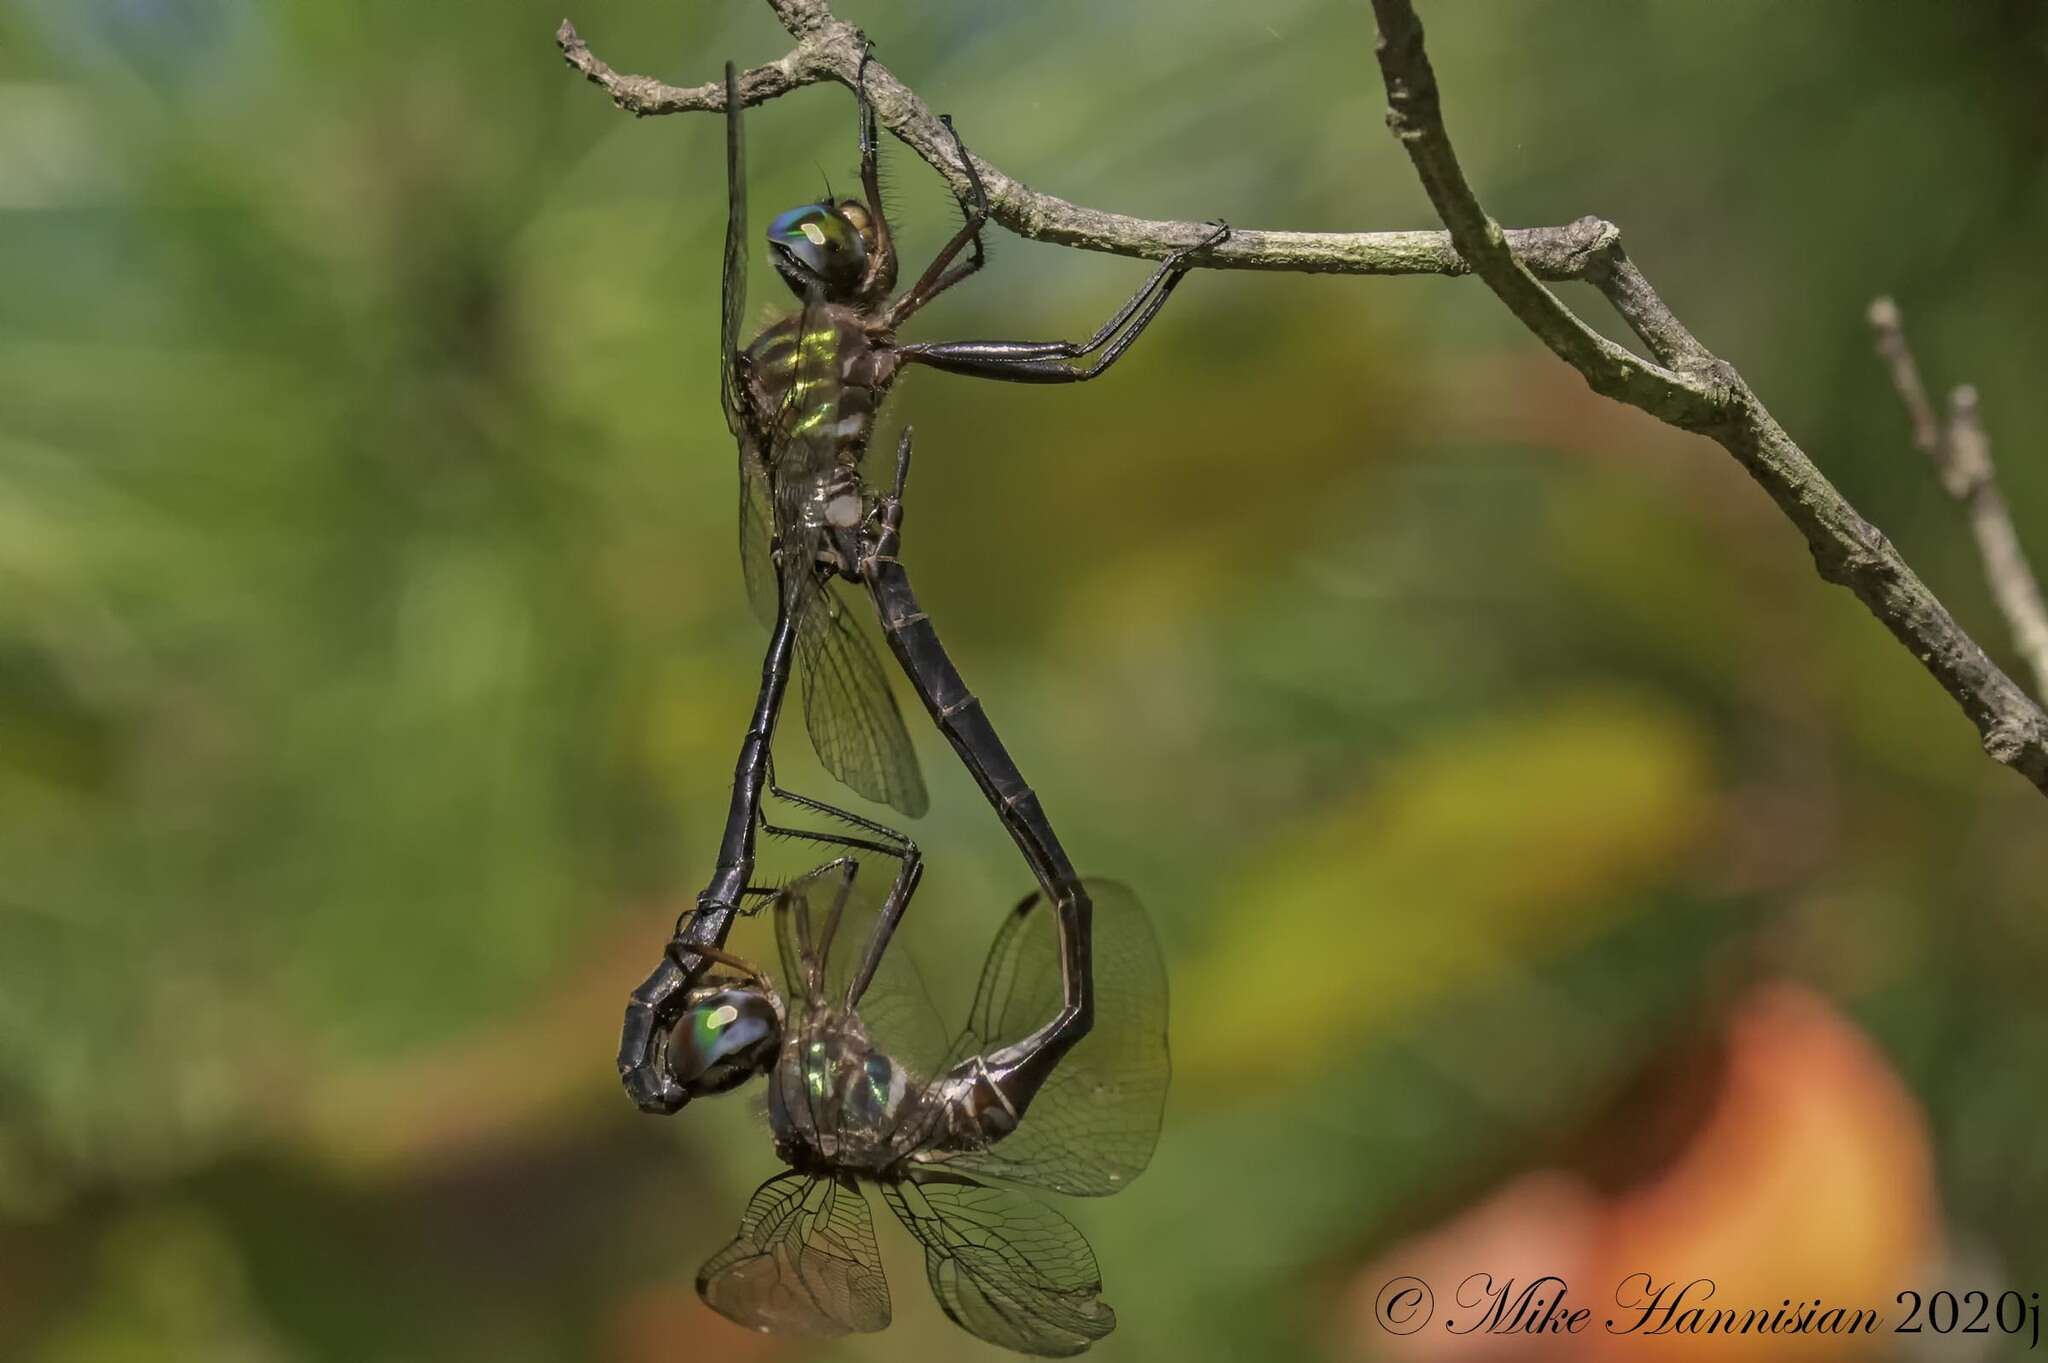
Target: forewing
x=734, y=292
x=1092, y=1128
x=849, y=709
x=805, y=1261
x=1005, y=1267
x=757, y=562
x=756, y=514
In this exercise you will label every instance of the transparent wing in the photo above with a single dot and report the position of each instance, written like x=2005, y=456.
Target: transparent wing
x=734, y=293
x=1092, y=1128
x=1005, y=1267
x=805, y=1260
x=849, y=709
x=825, y=926
x=757, y=562
x=756, y=513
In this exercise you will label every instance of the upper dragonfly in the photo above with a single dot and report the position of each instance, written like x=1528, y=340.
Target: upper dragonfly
x=801, y=401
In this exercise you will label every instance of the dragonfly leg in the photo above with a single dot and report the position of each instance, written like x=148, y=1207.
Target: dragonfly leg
x=908, y=873
x=881, y=276
x=942, y=274
x=899, y=851
x=888, y=842
x=1019, y=1071
x=897, y=840
x=1048, y=361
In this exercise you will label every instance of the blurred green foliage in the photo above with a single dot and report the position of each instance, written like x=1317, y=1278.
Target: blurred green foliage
x=373, y=653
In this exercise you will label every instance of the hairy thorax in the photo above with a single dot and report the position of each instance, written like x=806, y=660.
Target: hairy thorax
x=836, y=1101
x=817, y=379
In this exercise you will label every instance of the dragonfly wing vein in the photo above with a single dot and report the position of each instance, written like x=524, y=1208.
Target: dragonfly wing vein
x=1005, y=1267
x=805, y=1260
x=852, y=714
x=1092, y=1128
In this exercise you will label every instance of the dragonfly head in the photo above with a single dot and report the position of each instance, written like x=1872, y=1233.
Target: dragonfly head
x=829, y=246
x=726, y=1036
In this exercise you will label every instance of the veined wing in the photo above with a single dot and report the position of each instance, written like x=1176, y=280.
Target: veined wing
x=805, y=1260
x=756, y=509
x=1004, y=1266
x=1092, y=1128
x=757, y=561
x=734, y=292
x=849, y=709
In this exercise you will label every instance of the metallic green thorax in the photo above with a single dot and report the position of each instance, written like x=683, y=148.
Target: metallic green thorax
x=813, y=384
x=809, y=370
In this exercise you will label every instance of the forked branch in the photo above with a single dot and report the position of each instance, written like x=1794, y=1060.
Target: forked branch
x=1961, y=455
x=1680, y=382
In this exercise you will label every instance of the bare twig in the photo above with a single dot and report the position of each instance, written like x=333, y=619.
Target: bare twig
x=1890, y=330
x=1683, y=383
x=1416, y=118
x=830, y=51
x=1961, y=455
x=1847, y=549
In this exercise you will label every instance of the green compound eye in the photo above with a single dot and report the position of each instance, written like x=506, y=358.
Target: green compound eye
x=711, y=1024
x=723, y=1041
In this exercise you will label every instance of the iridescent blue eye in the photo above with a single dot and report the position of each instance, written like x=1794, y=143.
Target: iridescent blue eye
x=808, y=223
x=820, y=243
x=723, y=1040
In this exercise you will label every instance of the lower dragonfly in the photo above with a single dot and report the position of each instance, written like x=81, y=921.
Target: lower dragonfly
x=801, y=401
x=865, y=1089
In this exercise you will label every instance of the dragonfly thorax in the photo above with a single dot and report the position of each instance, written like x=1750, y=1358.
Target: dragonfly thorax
x=814, y=382
x=837, y=1101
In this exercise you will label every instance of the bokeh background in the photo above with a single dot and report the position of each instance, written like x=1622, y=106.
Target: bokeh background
x=1556, y=876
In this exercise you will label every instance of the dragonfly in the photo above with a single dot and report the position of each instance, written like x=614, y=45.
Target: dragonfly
x=801, y=401
x=865, y=1090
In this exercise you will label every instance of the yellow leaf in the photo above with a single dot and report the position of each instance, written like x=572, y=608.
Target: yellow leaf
x=1489, y=844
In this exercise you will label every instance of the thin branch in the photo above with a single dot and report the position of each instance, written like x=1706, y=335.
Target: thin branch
x=1415, y=116
x=1890, y=331
x=1702, y=393
x=1961, y=455
x=830, y=51
x=1683, y=384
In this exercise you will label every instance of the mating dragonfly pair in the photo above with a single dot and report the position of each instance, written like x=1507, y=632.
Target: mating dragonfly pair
x=1059, y=1077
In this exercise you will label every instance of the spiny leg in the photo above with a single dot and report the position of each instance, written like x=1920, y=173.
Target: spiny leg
x=959, y=271
x=942, y=274
x=827, y=839
x=897, y=839
x=888, y=842
x=885, y=841
x=883, y=246
x=1017, y=1072
x=810, y=952
x=1046, y=361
